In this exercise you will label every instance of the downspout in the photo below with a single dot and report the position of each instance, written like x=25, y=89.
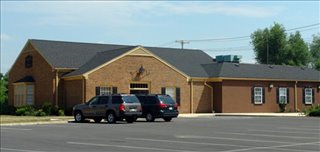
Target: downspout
x=295, y=96
x=211, y=95
x=57, y=88
x=83, y=89
x=191, y=97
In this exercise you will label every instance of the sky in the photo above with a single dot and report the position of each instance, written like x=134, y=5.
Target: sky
x=148, y=23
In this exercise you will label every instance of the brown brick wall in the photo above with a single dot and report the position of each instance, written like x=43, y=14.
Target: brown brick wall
x=72, y=93
x=119, y=74
x=41, y=72
x=201, y=98
x=236, y=96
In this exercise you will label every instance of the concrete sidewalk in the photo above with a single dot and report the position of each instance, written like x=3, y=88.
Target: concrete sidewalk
x=208, y=115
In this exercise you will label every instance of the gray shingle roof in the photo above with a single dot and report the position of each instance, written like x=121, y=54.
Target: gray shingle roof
x=62, y=54
x=195, y=63
x=188, y=61
x=99, y=59
x=233, y=70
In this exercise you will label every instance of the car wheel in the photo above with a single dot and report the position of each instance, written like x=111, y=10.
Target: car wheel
x=97, y=120
x=129, y=119
x=149, y=117
x=167, y=119
x=78, y=117
x=111, y=117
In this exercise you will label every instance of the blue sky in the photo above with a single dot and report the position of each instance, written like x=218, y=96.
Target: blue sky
x=150, y=23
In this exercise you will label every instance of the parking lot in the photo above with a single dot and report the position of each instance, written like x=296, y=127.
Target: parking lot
x=220, y=134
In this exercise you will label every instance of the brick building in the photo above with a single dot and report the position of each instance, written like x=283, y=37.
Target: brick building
x=68, y=73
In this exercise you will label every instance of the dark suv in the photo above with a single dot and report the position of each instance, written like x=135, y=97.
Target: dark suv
x=158, y=106
x=109, y=107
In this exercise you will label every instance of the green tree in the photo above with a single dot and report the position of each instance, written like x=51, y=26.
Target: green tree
x=296, y=51
x=315, y=52
x=271, y=46
x=268, y=44
x=3, y=88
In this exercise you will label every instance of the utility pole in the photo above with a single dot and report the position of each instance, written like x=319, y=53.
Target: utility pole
x=182, y=42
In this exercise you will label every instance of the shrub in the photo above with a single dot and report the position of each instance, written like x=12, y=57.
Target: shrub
x=47, y=108
x=40, y=112
x=6, y=109
x=313, y=111
x=27, y=110
x=282, y=107
x=61, y=112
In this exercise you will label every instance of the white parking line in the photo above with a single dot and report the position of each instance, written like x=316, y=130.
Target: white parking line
x=127, y=147
x=263, y=135
x=282, y=131
x=15, y=129
x=20, y=150
x=271, y=147
x=287, y=128
x=185, y=142
x=234, y=139
x=291, y=150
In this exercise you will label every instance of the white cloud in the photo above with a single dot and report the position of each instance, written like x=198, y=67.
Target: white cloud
x=5, y=37
x=129, y=13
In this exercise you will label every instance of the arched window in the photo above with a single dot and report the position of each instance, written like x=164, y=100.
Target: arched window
x=28, y=61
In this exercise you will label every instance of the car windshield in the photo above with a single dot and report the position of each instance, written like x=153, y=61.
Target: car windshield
x=130, y=99
x=166, y=99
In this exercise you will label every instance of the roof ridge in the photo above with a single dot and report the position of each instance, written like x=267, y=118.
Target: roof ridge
x=92, y=43
x=106, y=51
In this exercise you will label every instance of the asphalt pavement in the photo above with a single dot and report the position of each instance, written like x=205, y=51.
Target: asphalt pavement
x=213, y=134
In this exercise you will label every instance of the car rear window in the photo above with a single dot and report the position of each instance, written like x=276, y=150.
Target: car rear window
x=167, y=99
x=130, y=99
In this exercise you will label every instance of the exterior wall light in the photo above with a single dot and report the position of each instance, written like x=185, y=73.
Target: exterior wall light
x=271, y=86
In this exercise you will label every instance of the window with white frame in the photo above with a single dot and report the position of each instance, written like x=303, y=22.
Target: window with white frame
x=23, y=94
x=258, y=95
x=283, y=99
x=171, y=91
x=105, y=90
x=308, y=96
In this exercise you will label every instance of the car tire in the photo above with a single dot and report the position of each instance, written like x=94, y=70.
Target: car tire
x=97, y=120
x=110, y=117
x=167, y=119
x=129, y=119
x=78, y=117
x=149, y=117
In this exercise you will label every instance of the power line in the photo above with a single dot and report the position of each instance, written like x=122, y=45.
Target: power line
x=248, y=36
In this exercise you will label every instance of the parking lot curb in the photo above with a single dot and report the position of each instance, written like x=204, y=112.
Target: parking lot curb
x=35, y=123
x=212, y=115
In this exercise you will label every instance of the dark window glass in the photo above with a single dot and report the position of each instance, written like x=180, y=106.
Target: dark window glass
x=104, y=100
x=93, y=101
x=151, y=100
x=117, y=100
x=130, y=99
x=28, y=61
x=167, y=99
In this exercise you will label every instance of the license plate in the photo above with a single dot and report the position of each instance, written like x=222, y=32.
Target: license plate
x=170, y=108
x=133, y=109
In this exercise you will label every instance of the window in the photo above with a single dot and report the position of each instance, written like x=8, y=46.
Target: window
x=23, y=94
x=104, y=100
x=28, y=61
x=93, y=101
x=258, y=95
x=308, y=95
x=173, y=92
x=283, y=98
x=139, y=88
x=103, y=90
x=117, y=99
